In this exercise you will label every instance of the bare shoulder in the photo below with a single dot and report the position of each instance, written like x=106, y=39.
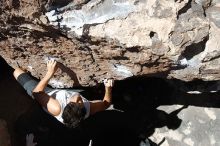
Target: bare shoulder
x=52, y=105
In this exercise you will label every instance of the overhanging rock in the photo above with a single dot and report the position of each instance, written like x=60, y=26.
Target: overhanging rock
x=113, y=38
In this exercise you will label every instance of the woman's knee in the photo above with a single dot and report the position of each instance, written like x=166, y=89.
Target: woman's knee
x=17, y=72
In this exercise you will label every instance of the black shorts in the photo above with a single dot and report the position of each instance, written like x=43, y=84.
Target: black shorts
x=29, y=83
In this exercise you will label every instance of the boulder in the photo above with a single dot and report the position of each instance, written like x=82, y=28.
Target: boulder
x=96, y=39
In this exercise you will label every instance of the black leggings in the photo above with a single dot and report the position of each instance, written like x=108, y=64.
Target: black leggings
x=29, y=83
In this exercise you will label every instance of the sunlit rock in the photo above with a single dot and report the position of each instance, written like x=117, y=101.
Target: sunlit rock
x=112, y=38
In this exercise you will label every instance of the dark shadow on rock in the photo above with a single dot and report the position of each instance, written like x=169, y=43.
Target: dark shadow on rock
x=71, y=73
x=111, y=128
x=13, y=100
x=203, y=99
x=57, y=3
x=107, y=128
x=139, y=98
x=185, y=8
x=65, y=5
x=194, y=49
x=47, y=130
x=16, y=4
x=152, y=92
x=49, y=32
x=2, y=36
x=6, y=70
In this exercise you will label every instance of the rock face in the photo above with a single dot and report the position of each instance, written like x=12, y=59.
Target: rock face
x=112, y=38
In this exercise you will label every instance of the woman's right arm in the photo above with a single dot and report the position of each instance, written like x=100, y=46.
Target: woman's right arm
x=48, y=102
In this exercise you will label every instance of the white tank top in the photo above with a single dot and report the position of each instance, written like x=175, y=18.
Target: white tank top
x=62, y=96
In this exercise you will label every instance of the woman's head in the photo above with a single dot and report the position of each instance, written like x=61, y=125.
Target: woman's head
x=73, y=114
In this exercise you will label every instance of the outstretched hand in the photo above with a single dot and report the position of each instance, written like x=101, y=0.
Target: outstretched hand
x=109, y=82
x=51, y=67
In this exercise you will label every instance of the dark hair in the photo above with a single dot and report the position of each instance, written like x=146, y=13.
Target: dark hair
x=73, y=114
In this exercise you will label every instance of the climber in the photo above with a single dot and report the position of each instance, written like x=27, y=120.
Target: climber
x=67, y=106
